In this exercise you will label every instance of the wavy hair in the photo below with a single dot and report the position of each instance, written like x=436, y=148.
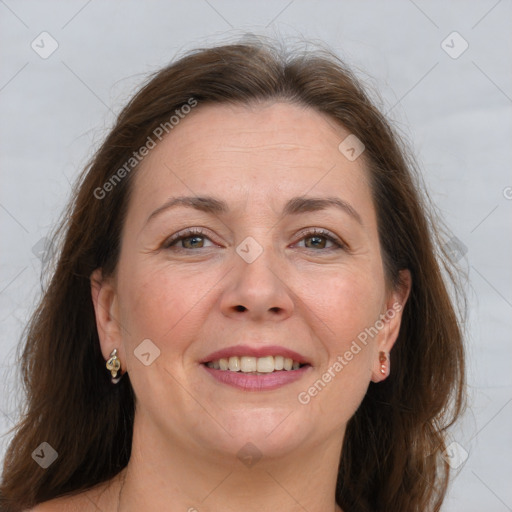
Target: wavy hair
x=391, y=458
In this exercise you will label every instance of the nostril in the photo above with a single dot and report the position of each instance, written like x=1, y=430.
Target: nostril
x=240, y=308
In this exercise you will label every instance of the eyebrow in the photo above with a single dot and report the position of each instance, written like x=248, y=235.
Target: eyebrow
x=295, y=206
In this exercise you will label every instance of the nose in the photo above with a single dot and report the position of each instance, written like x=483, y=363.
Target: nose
x=258, y=290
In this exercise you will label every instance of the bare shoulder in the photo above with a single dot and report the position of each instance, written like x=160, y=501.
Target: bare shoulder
x=47, y=506
x=64, y=504
x=100, y=497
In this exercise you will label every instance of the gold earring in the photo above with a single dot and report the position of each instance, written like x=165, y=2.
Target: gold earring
x=114, y=365
x=382, y=360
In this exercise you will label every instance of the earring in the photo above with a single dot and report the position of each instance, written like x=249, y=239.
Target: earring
x=114, y=365
x=382, y=360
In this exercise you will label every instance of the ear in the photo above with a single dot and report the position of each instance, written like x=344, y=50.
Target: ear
x=391, y=318
x=104, y=298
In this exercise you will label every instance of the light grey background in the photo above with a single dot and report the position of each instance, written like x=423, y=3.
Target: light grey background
x=456, y=112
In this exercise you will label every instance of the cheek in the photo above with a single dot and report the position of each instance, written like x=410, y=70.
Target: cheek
x=158, y=303
x=347, y=307
x=347, y=304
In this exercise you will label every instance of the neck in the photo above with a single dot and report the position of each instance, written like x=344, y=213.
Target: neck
x=169, y=476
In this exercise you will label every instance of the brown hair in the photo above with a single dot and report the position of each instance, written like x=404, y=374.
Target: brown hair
x=391, y=452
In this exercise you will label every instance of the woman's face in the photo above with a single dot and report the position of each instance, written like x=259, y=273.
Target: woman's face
x=283, y=260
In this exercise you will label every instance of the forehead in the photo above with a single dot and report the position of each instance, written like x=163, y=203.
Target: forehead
x=263, y=151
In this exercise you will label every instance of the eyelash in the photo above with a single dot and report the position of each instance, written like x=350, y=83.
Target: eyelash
x=191, y=232
x=187, y=233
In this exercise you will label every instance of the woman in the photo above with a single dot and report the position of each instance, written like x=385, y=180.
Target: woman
x=247, y=312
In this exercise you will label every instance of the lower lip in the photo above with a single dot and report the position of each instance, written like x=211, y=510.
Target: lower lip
x=265, y=382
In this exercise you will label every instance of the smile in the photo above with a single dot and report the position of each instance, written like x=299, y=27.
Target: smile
x=255, y=365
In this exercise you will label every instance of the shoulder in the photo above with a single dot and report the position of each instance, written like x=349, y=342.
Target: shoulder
x=102, y=496
x=64, y=504
x=75, y=503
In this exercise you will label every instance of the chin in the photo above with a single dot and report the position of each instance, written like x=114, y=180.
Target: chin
x=273, y=431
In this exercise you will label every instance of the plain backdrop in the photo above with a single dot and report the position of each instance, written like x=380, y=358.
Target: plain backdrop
x=452, y=103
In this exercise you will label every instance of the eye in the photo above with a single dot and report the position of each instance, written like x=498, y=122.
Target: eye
x=319, y=238
x=195, y=238
x=191, y=238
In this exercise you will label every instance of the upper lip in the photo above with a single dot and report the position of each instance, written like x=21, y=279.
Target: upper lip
x=260, y=351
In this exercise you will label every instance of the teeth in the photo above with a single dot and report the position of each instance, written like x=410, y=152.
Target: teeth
x=249, y=364
x=234, y=364
x=265, y=364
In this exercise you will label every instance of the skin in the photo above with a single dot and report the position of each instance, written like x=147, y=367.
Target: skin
x=302, y=292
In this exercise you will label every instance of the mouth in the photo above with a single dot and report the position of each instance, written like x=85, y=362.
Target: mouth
x=251, y=365
x=256, y=369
